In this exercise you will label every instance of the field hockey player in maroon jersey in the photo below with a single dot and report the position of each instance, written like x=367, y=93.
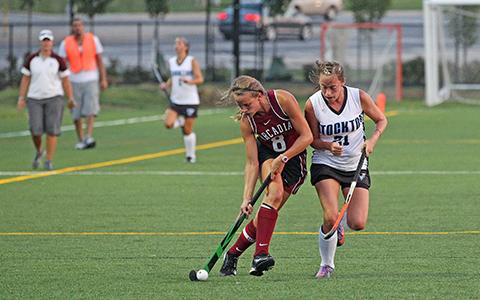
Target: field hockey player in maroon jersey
x=276, y=135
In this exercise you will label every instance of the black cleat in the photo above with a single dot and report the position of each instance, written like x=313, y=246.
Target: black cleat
x=229, y=267
x=90, y=143
x=261, y=263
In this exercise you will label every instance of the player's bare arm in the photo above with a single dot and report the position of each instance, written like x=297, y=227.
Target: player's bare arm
x=317, y=142
x=251, y=165
x=24, y=83
x=102, y=71
x=197, y=74
x=374, y=113
x=67, y=88
x=290, y=106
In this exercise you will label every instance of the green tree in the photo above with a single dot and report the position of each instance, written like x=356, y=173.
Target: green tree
x=367, y=11
x=277, y=7
x=91, y=8
x=156, y=9
x=462, y=27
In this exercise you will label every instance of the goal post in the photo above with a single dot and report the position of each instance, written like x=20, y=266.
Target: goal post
x=442, y=50
x=370, y=52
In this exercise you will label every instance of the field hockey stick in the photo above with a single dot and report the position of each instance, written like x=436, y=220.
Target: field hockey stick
x=229, y=236
x=349, y=196
x=157, y=70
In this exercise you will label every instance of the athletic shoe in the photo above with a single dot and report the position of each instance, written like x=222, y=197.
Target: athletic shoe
x=37, y=159
x=340, y=235
x=229, y=267
x=261, y=263
x=48, y=165
x=324, y=272
x=190, y=159
x=80, y=146
x=90, y=143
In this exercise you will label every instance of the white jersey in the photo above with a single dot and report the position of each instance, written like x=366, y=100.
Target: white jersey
x=345, y=127
x=183, y=93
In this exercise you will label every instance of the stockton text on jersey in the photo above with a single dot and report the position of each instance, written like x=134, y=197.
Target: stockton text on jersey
x=342, y=127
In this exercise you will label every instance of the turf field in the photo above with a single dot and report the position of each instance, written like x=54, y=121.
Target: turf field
x=134, y=226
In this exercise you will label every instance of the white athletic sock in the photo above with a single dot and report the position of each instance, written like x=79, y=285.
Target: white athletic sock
x=190, y=143
x=179, y=122
x=327, y=248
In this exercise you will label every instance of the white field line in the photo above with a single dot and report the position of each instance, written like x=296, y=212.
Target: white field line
x=119, y=122
x=214, y=173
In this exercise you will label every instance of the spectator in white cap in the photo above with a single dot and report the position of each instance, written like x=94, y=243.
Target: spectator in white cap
x=42, y=88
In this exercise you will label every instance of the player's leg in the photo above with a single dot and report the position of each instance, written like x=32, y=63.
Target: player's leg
x=190, y=140
x=77, y=115
x=170, y=117
x=327, y=190
x=266, y=220
x=249, y=236
x=36, y=125
x=357, y=213
x=358, y=209
x=89, y=140
x=53, y=120
x=91, y=109
x=245, y=240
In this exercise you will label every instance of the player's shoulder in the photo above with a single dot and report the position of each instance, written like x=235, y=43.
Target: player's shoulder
x=55, y=55
x=284, y=96
x=30, y=57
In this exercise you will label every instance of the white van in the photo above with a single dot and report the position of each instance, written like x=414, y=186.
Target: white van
x=327, y=8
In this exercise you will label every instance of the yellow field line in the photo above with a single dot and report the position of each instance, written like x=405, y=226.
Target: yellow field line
x=222, y=233
x=119, y=161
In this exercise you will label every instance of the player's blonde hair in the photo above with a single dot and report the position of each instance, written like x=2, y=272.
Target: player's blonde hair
x=326, y=68
x=240, y=86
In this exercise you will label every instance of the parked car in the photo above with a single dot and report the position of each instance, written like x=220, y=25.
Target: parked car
x=255, y=19
x=326, y=8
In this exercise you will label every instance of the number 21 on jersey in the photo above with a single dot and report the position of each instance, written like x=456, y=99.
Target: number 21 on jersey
x=342, y=140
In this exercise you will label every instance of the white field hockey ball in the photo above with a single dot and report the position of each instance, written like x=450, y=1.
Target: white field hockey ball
x=202, y=275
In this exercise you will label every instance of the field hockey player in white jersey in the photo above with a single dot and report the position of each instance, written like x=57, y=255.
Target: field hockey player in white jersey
x=335, y=114
x=184, y=100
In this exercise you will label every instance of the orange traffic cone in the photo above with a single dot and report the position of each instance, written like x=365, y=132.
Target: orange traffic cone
x=381, y=101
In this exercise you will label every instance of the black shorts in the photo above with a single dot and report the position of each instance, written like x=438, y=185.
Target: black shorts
x=319, y=172
x=188, y=111
x=294, y=172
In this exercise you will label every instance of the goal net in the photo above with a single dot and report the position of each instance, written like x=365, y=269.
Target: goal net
x=452, y=56
x=371, y=54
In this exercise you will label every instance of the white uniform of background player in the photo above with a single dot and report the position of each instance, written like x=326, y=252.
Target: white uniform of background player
x=185, y=76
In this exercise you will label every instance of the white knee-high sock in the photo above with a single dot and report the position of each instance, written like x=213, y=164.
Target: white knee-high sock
x=190, y=143
x=327, y=248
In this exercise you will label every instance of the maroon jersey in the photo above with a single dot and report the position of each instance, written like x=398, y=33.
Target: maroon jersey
x=274, y=128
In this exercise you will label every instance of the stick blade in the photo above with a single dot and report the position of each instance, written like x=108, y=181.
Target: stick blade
x=193, y=275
